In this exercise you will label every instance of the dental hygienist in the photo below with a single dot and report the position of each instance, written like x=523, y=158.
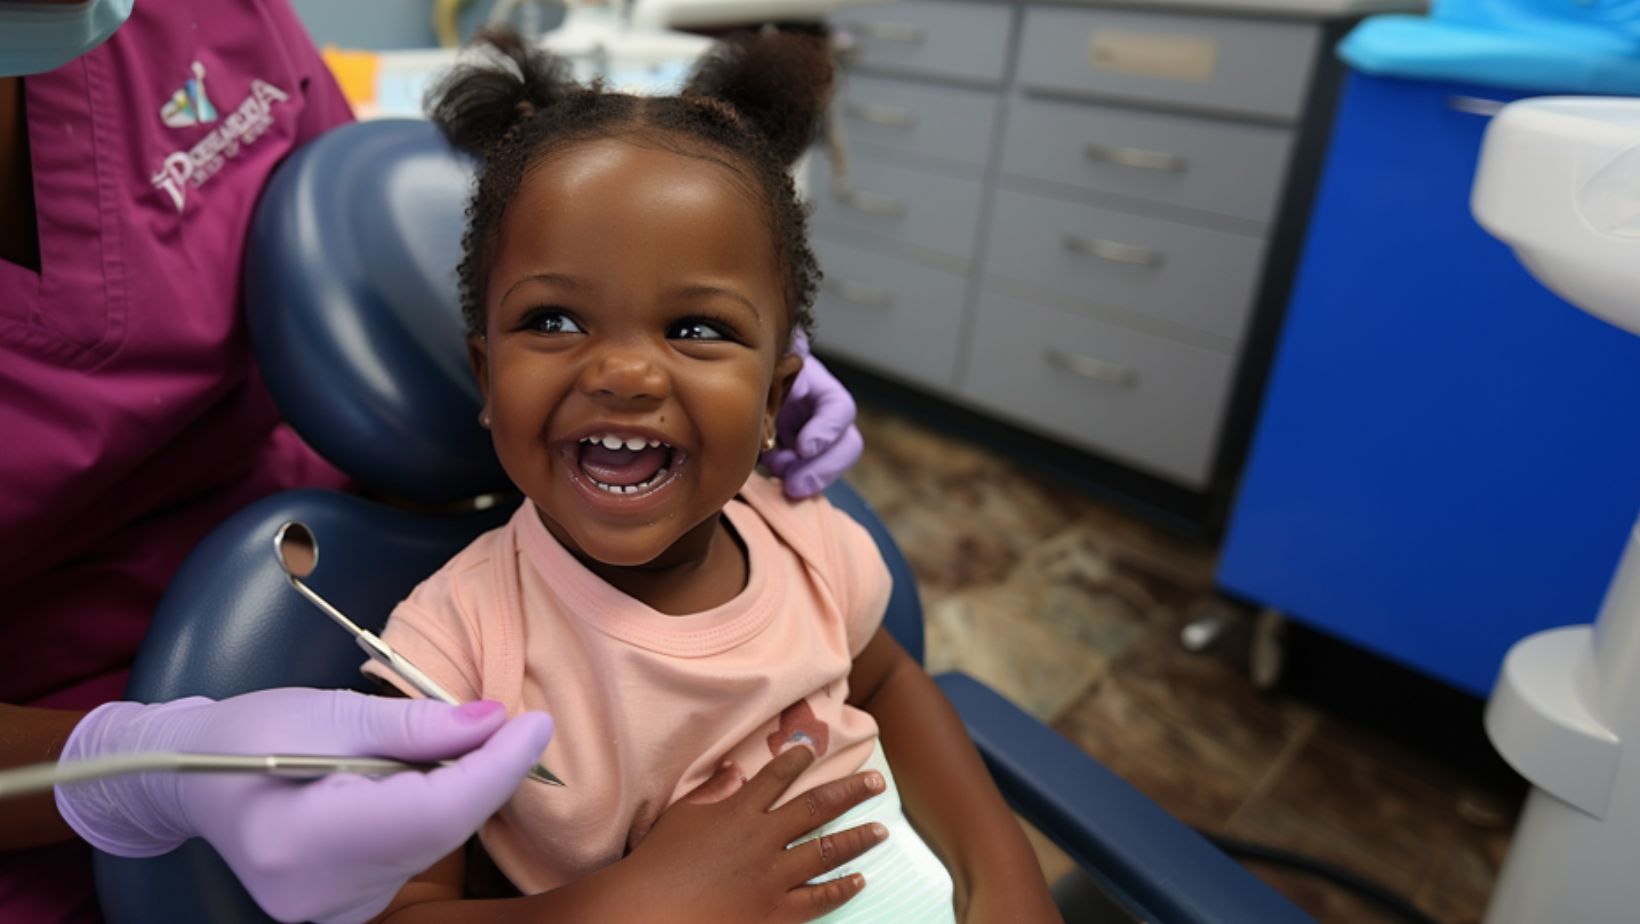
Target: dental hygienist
x=133, y=145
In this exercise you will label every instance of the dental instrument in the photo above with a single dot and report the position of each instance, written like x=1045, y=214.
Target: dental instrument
x=31, y=778
x=298, y=552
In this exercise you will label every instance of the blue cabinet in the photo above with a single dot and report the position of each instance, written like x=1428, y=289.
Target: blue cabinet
x=1448, y=456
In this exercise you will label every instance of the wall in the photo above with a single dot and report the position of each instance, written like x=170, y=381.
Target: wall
x=382, y=24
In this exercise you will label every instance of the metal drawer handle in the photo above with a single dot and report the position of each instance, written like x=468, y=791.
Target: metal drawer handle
x=890, y=31
x=871, y=203
x=1475, y=105
x=1114, y=251
x=858, y=294
x=879, y=114
x=1137, y=157
x=1089, y=368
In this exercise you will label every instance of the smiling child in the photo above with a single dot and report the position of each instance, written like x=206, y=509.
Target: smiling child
x=635, y=271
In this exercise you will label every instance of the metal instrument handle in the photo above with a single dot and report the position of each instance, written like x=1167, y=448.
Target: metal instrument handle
x=44, y=776
x=1114, y=251
x=1137, y=157
x=380, y=652
x=1087, y=367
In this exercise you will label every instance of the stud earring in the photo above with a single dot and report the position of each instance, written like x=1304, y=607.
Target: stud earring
x=768, y=444
x=484, y=419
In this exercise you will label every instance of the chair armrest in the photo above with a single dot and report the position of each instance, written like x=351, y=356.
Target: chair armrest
x=1141, y=853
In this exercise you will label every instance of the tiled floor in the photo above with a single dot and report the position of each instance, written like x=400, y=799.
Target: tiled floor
x=1073, y=610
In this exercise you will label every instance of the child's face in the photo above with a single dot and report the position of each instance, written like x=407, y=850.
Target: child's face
x=634, y=295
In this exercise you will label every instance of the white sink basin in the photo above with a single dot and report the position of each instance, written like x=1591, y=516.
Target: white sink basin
x=1559, y=181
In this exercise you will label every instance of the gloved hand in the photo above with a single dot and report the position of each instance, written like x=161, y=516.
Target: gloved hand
x=816, y=437
x=330, y=850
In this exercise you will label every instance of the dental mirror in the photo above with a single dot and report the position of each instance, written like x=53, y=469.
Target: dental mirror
x=298, y=552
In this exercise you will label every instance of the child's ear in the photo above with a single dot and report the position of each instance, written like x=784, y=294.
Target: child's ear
x=478, y=356
x=785, y=374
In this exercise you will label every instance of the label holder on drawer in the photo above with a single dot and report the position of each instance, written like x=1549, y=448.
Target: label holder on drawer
x=881, y=114
x=1149, y=54
x=871, y=203
x=1113, y=251
x=886, y=31
x=1141, y=158
x=858, y=294
x=1097, y=370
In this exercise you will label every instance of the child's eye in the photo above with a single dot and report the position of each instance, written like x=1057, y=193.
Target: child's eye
x=699, y=329
x=551, y=321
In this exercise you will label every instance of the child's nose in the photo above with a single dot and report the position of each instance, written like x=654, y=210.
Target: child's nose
x=627, y=373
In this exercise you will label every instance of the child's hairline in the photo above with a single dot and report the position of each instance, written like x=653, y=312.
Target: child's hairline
x=743, y=178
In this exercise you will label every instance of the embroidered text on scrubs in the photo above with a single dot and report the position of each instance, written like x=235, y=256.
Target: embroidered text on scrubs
x=197, y=165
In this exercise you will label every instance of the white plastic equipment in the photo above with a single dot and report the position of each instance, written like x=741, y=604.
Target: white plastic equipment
x=1559, y=181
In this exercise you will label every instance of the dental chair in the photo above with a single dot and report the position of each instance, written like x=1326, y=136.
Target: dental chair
x=351, y=304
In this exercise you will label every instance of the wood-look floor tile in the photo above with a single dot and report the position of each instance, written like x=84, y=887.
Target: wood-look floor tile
x=1072, y=609
x=1348, y=807
x=1198, y=776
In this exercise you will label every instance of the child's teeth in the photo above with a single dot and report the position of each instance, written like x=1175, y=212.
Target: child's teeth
x=631, y=444
x=654, y=479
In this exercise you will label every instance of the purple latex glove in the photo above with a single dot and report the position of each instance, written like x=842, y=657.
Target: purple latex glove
x=333, y=850
x=817, y=439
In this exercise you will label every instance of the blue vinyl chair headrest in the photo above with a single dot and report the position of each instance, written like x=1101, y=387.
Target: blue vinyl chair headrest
x=353, y=309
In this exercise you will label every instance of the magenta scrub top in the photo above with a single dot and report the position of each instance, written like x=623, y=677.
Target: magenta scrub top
x=132, y=419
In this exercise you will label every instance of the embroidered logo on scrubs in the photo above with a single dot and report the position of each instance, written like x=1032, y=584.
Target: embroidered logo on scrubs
x=189, y=105
x=240, y=128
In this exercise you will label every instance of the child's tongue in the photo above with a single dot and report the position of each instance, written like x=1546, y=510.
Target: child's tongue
x=622, y=467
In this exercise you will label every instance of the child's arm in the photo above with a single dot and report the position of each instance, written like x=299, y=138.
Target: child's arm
x=709, y=860
x=946, y=790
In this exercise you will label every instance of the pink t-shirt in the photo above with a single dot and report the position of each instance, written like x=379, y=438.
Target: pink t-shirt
x=646, y=704
x=132, y=419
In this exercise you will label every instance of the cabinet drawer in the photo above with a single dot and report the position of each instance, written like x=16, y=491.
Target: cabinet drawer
x=1224, y=167
x=1254, y=67
x=1173, y=272
x=1154, y=403
x=933, y=121
x=929, y=210
x=962, y=41
x=899, y=317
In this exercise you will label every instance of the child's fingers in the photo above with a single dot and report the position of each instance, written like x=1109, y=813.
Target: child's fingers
x=776, y=777
x=823, y=854
x=826, y=803
x=814, y=901
x=723, y=783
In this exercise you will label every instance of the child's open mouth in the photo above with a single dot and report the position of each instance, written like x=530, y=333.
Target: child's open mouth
x=625, y=465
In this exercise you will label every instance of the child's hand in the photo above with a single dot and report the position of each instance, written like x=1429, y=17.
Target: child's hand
x=720, y=854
